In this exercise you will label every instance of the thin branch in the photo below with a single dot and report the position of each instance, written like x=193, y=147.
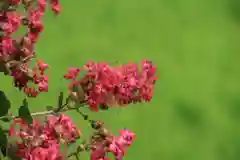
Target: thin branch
x=65, y=109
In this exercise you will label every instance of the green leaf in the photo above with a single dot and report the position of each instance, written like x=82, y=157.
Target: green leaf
x=25, y=102
x=24, y=113
x=5, y=104
x=49, y=108
x=6, y=118
x=60, y=100
x=2, y=157
x=3, y=141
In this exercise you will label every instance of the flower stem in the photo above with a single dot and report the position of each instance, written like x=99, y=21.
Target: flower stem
x=65, y=109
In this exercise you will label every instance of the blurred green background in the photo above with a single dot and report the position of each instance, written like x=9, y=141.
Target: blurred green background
x=195, y=113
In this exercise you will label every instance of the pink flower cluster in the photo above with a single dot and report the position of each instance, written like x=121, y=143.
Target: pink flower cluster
x=13, y=49
x=121, y=85
x=37, y=76
x=118, y=146
x=12, y=21
x=100, y=86
x=43, y=141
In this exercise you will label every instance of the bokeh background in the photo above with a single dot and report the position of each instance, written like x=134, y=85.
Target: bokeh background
x=195, y=113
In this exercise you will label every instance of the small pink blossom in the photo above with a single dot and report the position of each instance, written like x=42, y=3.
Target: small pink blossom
x=42, y=4
x=7, y=45
x=12, y=24
x=72, y=73
x=42, y=66
x=43, y=86
x=56, y=8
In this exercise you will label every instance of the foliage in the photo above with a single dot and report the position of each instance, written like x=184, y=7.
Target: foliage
x=102, y=87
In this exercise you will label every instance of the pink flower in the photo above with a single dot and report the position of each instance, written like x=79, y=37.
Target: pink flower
x=116, y=150
x=44, y=78
x=42, y=4
x=42, y=66
x=56, y=8
x=36, y=26
x=8, y=28
x=7, y=45
x=99, y=152
x=126, y=137
x=33, y=35
x=120, y=144
x=35, y=18
x=43, y=86
x=72, y=73
x=13, y=23
x=65, y=128
x=50, y=153
x=38, y=154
